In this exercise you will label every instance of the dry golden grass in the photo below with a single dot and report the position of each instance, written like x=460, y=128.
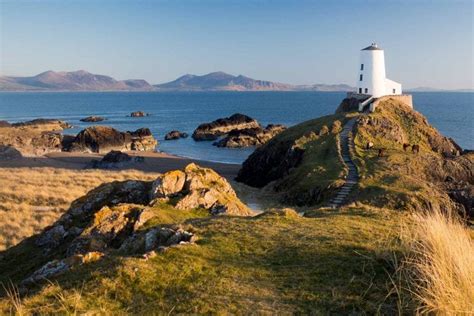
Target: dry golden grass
x=33, y=198
x=439, y=264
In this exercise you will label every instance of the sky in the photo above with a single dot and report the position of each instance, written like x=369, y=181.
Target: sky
x=427, y=43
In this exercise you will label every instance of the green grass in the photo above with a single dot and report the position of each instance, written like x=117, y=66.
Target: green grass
x=320, y=170
x=276, y=262
x=399, y=180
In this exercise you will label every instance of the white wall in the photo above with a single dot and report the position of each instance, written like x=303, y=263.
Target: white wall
x=390, y=85
x=373, y=73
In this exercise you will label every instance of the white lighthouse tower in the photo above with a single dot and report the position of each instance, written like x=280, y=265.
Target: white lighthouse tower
x=371, y=79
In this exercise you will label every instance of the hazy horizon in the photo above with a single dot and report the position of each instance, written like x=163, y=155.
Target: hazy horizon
x=427, y=44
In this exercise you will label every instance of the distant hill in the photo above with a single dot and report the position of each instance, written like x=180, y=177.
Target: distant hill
x=70, y=81
x=429, y=89
x=221, y=81
x=215, y=81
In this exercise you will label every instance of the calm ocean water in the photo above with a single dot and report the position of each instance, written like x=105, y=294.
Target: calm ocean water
x=451, y=113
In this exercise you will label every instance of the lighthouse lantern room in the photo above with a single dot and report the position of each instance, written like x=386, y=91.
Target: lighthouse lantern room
x=371, y=80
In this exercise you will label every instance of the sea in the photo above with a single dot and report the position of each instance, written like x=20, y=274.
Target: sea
x=451, y=113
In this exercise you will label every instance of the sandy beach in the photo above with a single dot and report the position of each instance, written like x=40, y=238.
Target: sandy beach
x=155, y=162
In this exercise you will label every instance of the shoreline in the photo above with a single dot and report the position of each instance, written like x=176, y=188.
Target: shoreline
x=154, y=162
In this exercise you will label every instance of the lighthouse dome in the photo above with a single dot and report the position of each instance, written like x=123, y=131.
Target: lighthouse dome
x=373, y=46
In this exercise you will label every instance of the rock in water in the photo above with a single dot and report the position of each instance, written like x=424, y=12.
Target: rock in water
x=219, y=127
x=250, y=136
x=102, y=139
x=138, y=114
x=175, y=135
x=198, y=187
x=92, y=119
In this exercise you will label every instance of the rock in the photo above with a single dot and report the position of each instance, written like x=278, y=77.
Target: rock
x=9, y=153
x=116, y=160
x=156, y=239
x=102, y=139
x=198, y=187
x=250, y=136
x=349, y=105
x=138, y=114
x=175, y=135
x=336, y=127
x=168, y=185
x=54, y=123
x=48, y=270
x=219, y=127
x=92, y=119
x=52, y=237
x=271, y=162
x=109, y=228
x=56, y=267
x=323, y=131
x=33, y=138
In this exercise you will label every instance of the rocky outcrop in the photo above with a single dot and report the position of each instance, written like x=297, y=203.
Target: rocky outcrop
x=175, y=135
x=250, y=136
x=220, y=127
x=44, y=124
x=138, y=114
x=102, y=139
x=349, y=105
x=198, y=187
x=118, y=219
x=92, y=119
x=33, y=138
x=116, y=160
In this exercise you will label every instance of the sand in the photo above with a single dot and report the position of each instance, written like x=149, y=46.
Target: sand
x=153, y=162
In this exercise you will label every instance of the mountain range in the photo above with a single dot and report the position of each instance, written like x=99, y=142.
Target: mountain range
x=216, y=81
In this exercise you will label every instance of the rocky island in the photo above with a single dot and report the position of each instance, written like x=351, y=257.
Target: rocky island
x=238, y=130
x=102, y=139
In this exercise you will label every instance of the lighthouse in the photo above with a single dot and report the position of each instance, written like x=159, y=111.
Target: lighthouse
x=371, y=79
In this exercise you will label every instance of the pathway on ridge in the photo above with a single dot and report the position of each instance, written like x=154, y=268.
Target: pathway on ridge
x=353, y=177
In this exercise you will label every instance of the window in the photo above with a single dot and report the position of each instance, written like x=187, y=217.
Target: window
x=394, y=91
x=361, y=76
x=361, y=66
x=366, y=90
x=360, y=90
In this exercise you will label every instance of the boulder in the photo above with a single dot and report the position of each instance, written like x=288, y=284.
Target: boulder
x=175, y=135
x=198, y=187
x=92, y=119
x=102, y=139
x=250, y=136
x=219, y=127
x=138, y=114
x=9, y=153
x=115, y=160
